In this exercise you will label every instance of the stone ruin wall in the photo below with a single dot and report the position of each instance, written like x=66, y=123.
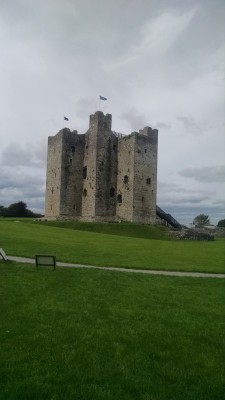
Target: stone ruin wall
x=71, y=176
x=145, y=175
x=125, y=178
x=53, y=179
x=100, y=176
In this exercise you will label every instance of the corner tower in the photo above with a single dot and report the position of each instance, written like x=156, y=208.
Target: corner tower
x=64, y=174
x=137, y=176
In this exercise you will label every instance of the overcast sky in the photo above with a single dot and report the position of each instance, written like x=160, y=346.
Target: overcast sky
x=159, y=62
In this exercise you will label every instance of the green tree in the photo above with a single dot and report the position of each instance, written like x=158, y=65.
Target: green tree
x=2, y=211
x=221, y=223
x=17, y=210
x=201, y=220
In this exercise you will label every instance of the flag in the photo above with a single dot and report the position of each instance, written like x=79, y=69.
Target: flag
x=66, y=119
x=102, y=98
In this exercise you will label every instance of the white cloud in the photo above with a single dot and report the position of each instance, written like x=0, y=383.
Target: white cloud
x=159, y=64
x=205, y=174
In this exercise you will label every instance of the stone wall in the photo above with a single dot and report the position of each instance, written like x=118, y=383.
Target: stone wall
x=71, y=175
x=125, y=178
x=53, y=179
x=145, y=176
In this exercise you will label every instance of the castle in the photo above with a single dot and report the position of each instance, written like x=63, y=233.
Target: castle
x=102, y=175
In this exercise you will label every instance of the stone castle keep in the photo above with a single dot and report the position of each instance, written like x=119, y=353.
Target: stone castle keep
x=102, y=175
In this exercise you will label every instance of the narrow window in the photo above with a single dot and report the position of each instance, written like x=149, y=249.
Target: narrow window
x=145, y=150
x=72, y=149
x=85, y=193
x=142, y=199
x=119, y=198
x=112, y=192
x=114, y=147
x=84, y=172
x=71, y=161
x=52, y=190
x=125, y=179
x=148, y=181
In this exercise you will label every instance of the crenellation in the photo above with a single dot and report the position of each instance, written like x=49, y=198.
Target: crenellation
x=102, y=175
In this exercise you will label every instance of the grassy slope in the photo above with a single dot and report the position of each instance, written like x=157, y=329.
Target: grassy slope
x=81, y=334
x=27, y=239
x=122, y=229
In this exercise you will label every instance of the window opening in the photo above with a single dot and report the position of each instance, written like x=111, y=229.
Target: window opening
x=125, y=179
x=85, y=192
x=73, y=149
x=148, y=181
x=119, y=198
x=112, y=192
x=84, y=172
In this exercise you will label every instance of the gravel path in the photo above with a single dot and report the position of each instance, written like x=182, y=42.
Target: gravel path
x=139, y=271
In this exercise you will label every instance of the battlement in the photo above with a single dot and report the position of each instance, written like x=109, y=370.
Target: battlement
x=100, y=120
x=147, y=131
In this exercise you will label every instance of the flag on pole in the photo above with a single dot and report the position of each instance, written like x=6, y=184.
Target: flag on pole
x=102, y=98
x=66, y=119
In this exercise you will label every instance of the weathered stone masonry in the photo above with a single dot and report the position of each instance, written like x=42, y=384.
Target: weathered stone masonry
x=102, y=175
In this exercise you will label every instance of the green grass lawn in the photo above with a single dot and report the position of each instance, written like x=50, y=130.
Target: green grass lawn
x=84, y=334
x=70, y=245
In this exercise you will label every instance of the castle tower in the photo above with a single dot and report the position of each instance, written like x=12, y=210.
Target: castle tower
x=100, y=168
x=64, y=174
x=137, y=176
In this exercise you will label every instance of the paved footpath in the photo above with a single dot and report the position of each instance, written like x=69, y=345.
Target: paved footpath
x=139, y=271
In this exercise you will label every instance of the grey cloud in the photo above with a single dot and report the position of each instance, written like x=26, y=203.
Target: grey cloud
x=17, y=184
x=193, y=126
x=205, y=174
x=152, y=59
x=162, y=185
x=171, y=188
x=163, y=125
x=86, y=106
x=134, y=119
x=19, y=178
x=27, y=155
x=185, y=198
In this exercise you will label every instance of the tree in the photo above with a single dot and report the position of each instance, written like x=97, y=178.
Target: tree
x=2, y=211
x=201, y=220
x=221, y=223
x=17, y=210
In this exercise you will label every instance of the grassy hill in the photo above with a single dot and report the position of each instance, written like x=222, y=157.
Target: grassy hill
x=157, y=232
x=27, y=238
